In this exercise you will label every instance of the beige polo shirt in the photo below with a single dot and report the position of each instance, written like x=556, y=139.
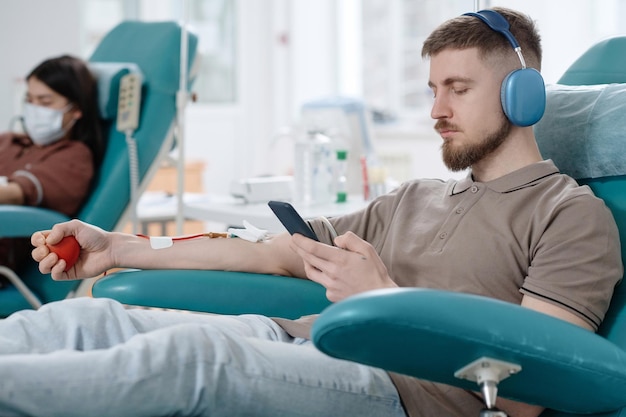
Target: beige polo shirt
x=533, y=231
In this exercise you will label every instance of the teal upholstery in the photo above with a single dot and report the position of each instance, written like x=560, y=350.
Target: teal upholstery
x=603, y=63
x=153, y=48
x=590, y=111
x=430, y=334
x=215, y=292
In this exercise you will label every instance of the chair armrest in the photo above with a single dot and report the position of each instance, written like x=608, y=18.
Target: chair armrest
x=430, y=334
x=222, y=292
x=23, y=221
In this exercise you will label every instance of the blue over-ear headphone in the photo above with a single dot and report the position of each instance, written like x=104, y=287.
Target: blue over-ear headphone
x=523, y=92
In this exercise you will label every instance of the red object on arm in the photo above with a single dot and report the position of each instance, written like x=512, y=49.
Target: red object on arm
x=67, y=249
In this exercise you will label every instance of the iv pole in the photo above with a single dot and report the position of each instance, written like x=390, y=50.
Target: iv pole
x=181, y=103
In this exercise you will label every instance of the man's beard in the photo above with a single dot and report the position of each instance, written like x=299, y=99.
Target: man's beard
x=458, y=159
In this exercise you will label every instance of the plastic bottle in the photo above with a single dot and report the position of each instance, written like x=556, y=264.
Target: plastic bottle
x=341, y=180
x=313, y=169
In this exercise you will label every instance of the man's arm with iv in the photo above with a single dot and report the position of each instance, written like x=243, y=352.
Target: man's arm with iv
x=102, y=250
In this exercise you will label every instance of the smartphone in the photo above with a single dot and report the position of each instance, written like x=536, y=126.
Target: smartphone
x=290, y=218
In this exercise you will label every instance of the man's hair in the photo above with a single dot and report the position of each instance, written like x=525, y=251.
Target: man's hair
x=466, y=32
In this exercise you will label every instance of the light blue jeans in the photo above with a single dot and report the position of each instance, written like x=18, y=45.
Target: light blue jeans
x=92, y=357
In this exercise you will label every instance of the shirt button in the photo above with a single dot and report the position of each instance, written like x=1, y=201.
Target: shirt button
x=460, y=210
x=443, y=235
x=474, y=189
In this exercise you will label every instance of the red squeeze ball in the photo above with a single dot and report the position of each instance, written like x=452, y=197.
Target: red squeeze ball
x=67, y=249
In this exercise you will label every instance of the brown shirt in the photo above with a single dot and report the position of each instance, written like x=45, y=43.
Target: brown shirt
x=55, y=176
x=533, y=231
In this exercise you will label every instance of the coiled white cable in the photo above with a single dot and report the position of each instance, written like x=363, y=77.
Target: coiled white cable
x=133, y=168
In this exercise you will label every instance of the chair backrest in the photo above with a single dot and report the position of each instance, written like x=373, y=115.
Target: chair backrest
x=613, y=191
x=154, y=48
x=604, y=63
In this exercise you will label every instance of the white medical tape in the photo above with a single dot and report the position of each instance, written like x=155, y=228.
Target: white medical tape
x=250, y=233
x=161, y=242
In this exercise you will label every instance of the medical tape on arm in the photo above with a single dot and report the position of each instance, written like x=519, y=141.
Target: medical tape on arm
x=249, y=233
x=164, y=242
x=161, y=242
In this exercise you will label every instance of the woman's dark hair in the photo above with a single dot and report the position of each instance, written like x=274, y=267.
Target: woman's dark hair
x=70, y=77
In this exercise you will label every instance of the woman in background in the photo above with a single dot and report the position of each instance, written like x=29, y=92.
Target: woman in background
x=52, y=164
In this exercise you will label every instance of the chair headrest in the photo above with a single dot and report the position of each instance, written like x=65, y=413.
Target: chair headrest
x=109, y=75
x=584, y=129
x=603, y=63
x=154, y=46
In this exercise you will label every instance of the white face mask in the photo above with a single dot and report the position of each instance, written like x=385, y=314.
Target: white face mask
x=43, y=124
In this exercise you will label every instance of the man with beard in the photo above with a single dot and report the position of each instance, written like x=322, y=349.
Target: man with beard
x=510, y=230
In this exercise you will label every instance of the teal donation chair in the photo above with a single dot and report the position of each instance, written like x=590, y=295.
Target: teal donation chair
x=432, y=334
x=151, y=49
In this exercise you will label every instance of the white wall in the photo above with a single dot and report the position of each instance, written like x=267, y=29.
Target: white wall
x=231, y=138
x=287, y=55
x=31, y=31
x=286, y=58
x=569, y=27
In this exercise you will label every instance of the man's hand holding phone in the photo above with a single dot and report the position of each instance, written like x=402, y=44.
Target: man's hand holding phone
x=351, y=267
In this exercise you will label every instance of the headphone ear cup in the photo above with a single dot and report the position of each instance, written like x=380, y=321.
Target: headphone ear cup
x=523, y=96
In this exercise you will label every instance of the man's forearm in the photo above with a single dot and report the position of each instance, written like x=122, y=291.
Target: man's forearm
x=273, y=256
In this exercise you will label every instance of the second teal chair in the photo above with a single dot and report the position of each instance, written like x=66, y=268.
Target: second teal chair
x=153, y=48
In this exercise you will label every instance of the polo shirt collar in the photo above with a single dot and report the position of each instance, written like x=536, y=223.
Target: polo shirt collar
x=521, y=178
